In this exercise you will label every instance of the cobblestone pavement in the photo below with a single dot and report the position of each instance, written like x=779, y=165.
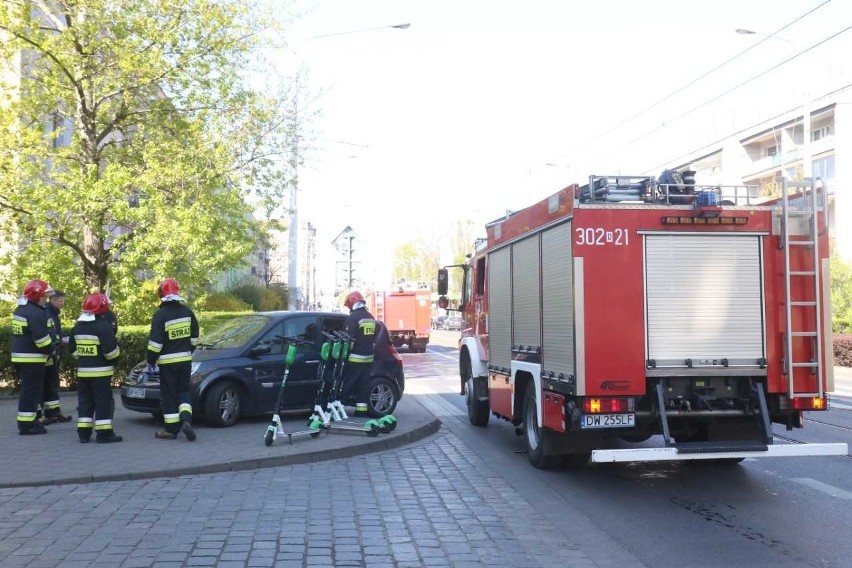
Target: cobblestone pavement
x=434, y=503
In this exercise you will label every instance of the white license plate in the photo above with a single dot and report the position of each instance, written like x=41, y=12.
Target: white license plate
x=135, y=392
x=607, y=420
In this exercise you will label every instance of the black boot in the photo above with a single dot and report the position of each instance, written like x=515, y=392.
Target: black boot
x=187, y=430
x=107, y=437
x=34, y=430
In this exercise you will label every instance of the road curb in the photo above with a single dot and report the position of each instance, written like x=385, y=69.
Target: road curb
x=379, y=444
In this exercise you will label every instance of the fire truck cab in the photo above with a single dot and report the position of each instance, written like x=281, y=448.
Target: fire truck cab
x=624, y=309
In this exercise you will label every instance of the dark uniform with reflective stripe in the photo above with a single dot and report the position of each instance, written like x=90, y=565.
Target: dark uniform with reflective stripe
x=94, y=346
x=174, y=334
x=361, y=325
x=51, y=376
x=31, y=346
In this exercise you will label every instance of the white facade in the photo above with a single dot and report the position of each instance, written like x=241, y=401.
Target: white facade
x=774, y=110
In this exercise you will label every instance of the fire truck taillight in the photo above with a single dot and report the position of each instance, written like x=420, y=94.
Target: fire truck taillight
x=804, y=403
x=607, y=405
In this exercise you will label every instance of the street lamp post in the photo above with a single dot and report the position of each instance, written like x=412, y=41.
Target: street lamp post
x=293, y=244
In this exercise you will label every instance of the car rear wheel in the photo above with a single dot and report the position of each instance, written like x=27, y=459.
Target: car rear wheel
x=382, y=398
x=223, y=404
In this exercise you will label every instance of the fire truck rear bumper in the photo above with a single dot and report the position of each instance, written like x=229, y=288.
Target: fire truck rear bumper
x=672, y=454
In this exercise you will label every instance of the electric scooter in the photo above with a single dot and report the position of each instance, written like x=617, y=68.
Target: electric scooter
x=276, y=427
x=385, y=424
x=322, y=392
x=339, y=420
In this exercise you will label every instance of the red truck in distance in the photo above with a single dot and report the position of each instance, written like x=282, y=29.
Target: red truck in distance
x=406, y=314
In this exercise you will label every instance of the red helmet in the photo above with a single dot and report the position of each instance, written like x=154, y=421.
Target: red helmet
x=353, y=297
x=35, y=290
x=168, y=287
x=96, y=304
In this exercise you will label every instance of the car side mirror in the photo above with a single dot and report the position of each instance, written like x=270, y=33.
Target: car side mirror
x=261, y=349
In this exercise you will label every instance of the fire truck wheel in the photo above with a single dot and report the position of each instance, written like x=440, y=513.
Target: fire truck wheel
x=477, y=410
x=534, y=434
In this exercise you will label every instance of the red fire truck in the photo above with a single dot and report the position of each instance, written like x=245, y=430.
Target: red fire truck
x=406, y=314
x=625, y=309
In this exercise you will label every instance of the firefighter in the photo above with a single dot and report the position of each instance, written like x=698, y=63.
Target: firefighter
x=93, y=344
x=31, y=347
x=109, y=316
x=361, y=326
x=50, y=404
x=174, y=335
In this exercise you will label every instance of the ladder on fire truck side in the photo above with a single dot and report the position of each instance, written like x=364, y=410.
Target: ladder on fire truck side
x=810, y=307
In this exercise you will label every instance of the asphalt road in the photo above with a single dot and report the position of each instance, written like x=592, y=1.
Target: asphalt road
x=762, y=512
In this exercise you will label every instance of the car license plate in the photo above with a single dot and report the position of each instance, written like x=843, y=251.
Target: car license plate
x=135, y=392
x=608, y=421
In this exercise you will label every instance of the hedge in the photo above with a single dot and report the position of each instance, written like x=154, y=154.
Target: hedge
x=843, y=350
x=132, y=339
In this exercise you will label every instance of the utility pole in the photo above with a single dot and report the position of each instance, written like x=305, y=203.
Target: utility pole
x=350, y=251
x=293, y=295
x=292, y=257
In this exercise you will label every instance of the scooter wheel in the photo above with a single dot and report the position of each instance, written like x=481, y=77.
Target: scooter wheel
x=372, y=427
x=269, y=437
x=385, y=425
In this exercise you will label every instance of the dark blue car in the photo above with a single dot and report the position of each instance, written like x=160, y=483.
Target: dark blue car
x=237, y=369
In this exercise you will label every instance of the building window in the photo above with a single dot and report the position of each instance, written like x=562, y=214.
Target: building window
x=824, y=168
x=771, y=151
x=820, y=133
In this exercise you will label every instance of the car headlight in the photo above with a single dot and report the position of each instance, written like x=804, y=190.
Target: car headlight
x=195, y=366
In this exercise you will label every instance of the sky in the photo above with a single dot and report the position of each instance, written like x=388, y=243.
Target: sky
x=480, y=107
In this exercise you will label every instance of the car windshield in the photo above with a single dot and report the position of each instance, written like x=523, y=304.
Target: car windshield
x=234, y=333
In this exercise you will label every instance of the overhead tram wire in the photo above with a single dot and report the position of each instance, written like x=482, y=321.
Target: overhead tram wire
x=719, y=96
x=704, y=75
x=685, y=155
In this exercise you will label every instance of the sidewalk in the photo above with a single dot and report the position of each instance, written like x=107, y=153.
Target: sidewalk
x=842, y=381
x=59, y=458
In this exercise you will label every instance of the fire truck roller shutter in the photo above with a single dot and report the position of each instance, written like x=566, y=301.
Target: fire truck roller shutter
x=526, y=301
x=557, y=278
x=704, y=299
x=499, y=309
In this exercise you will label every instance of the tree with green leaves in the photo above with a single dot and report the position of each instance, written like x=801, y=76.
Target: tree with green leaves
x=135, y=141
x=416, y=261
x=841, y=294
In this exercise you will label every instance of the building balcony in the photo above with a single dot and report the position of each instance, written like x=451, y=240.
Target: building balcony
x=762, y=165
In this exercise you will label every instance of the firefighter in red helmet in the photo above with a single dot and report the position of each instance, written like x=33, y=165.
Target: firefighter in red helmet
x=31, y=346
x=93, y=344
x=174, y=335
x=361, y=325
